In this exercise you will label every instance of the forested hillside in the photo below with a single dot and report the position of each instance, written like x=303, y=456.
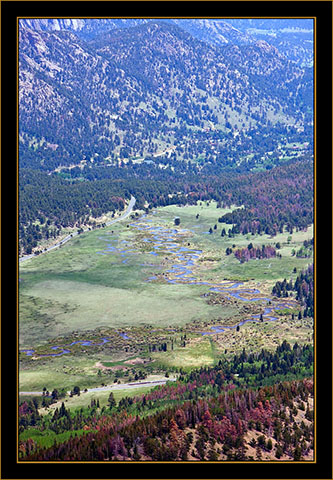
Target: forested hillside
x=77, y=196
x=256, y=407
x=292, y=36
x=157, y=110
x=89, y=102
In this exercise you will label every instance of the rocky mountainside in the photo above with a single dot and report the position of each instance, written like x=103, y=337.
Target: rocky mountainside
x=148, y=90
x=217, y=32
x=292, y=37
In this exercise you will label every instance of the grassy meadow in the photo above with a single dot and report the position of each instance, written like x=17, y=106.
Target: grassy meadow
x=90, y=287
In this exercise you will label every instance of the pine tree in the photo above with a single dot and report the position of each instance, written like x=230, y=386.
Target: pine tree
x=297, y=453
x=111, y=401
x=278, y=451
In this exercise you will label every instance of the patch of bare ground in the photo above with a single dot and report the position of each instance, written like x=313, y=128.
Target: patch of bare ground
x=258, y=453
x=220, y=299
x=265, y=447
x=100, y=366
x=260, y=445
x=136, y=361
x=257, y=335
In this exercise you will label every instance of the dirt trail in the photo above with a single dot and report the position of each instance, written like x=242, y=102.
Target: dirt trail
x=74, y=234
x=117, y=386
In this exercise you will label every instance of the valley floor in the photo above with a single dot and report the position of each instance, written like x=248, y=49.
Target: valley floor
x=128, y=291
x=114, y=307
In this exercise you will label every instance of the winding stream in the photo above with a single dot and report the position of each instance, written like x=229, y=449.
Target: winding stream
x=164, y=240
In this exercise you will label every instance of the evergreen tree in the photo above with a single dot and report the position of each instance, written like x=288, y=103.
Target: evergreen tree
x=111, y=401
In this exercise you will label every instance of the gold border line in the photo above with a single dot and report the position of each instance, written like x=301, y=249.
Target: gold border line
x=315, y=228
x=17, y=233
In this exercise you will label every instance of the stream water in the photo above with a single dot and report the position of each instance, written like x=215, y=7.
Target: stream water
x=164, y=241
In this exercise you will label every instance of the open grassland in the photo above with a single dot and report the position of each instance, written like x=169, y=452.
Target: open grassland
x=87, y=369
x=197, y=352
x=254, y=336
x=76, y=288
x=81, y=306
x=90, y=368
x=67, y=372
x=206, y=350
x=47, y=438
x=98, y=284
x=215, y=264
x=87, y=397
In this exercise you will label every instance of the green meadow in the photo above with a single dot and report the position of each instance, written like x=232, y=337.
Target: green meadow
x=77, y=292
x=47, y=438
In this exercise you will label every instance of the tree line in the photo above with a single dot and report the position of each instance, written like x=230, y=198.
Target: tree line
x=204, y=415
x=271, y=201
x=303, y=286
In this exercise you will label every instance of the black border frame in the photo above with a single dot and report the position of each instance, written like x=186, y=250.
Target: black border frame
x=322, y=10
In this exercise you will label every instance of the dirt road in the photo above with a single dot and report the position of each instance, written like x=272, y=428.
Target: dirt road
x=74, y=234
x=117, y=386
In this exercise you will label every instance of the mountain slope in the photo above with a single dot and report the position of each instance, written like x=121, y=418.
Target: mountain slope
x=216, y=32
x=146, y=90
x=292, y=37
